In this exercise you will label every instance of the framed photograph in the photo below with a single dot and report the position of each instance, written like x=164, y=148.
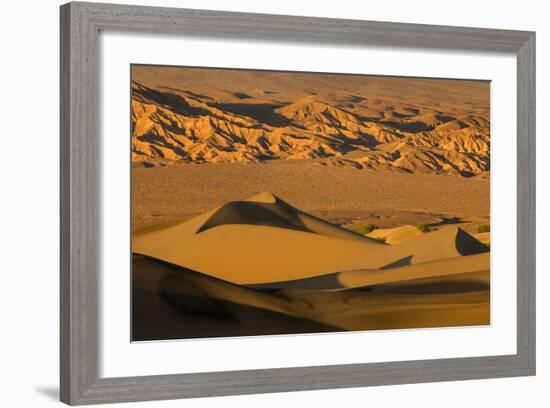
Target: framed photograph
x=261, y=203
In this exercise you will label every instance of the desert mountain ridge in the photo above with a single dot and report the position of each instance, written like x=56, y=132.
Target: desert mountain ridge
x=334, y=128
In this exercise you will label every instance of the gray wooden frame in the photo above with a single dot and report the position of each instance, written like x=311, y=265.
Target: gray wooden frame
x=80, y=192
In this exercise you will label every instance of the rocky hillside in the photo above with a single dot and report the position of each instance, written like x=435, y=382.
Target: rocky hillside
x=180, y=125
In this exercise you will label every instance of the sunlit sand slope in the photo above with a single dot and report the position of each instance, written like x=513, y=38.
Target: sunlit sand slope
x=173, y=302
x=264, y=239
x=450, y=268
x=260, y=266
x=258, y=240
x=395, y=235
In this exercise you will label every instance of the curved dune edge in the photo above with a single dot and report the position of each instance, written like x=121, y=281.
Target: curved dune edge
x=396, y=235
x=254, y=254
x=443, y=267
x=370, y=277
x=171, y=302
x=251, y=242
x=263, y=197
x=174, y=302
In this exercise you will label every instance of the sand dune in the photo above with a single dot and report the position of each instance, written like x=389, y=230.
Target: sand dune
x=431, y=269
x=264, y=239
x=452, y=268
x=447, y=242
x=238, y=240
x=395, y=235
x=261, y=266
x=268, y=210
x=172, y=302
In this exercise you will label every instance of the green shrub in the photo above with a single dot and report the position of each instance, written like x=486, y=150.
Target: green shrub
x=365, y=229
x=483, y=228
x=423, y=227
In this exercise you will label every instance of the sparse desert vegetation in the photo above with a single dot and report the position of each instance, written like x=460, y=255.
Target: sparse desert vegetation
x=424, y=227
x=483, y=228
x=366, y=229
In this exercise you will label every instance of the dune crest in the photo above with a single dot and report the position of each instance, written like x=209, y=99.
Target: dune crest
x=263, y=197
x=174, y=302
x=254, y=242
x=447, y=242
x=250, y=241
x=395, y=235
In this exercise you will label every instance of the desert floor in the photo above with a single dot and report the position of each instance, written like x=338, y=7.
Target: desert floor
x=341, y=195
